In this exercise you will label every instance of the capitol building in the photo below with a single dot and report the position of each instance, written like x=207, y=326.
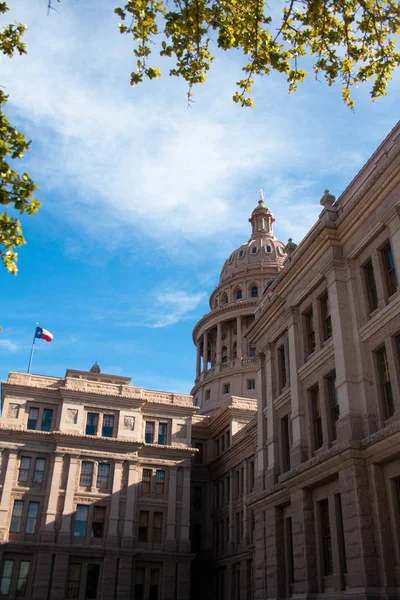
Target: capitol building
x=277, y=477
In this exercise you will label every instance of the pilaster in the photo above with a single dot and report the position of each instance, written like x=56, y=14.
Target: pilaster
x=53, y=491
x=130, y=510
x=64, y=536
x=6, y=492
x=112, y=537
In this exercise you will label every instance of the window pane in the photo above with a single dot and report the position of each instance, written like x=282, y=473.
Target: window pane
x=86, y=474
x=99, y=517
x=108, y=426
x=92, y=423
x=23, y=575
x=160, y=478
x=47, y=419
x=16, y=516
x=39, y=470
x=81, y=520
x=103, y=474
x=24, y=467
x=162, y=434
x=143, y=526
x=371, y=286
x=33, y=417
x=157, y=527
x=154, y=584
x=149, y=432
x=390, y=271
x=33, y=512
x=92, y=580
x=74, y=580
x=146, y=481
x=5, y=584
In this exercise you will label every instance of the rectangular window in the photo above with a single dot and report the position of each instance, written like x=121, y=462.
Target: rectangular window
x=285, y=441
x=38, y=473
x=98, y=520
x=47, y=419
x=154, y=584
x=103, y=476
x=24, y=468
x=108, y=426
x=390, y=270
x=326, y=540
x=143, y=525
x=33, y=418
x=162, y=434
x=208, y=394
x=157, y=527
x=74, y=580
x=326, y=317
x=81, y=518
x=386, y=384
x=31, y=521
x=282, y=378
x=310, y=333
x=333, y=402
x=16, y=516
x=149, y=432
x=146, y=481
x=226, y=388
x=6, y=577
x=253, y=351
x=228, y=439
x=92, y=581
x=251, y=475
x=237, y=527
x=86, y=474
x=251, y=384
x=139, y=584
x=92, y=423
x=370, y=285
x=160, y=482
x=317, y=417
x=22, y=581
x=341, y=542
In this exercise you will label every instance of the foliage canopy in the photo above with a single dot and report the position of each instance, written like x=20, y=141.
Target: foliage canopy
x=349, y=41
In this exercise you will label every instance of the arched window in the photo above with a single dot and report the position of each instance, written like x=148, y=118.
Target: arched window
x=254, y=291
x=238, y=294
x=268, y=248
x=254, y=250
x=235, y=350
x=224, y=354
x=225, y=298
x=241, y=253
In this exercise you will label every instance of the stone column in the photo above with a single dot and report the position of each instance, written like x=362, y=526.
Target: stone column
x=230, y=509
x=185, y=514
x=53, y=490
x=198, y=359
x=112, y=536
x=273, y=469
x=239, y=348
x=260, y=582
x=130, y=510
x=303, y=536
x=170, y=541
x=262, y=456
x=65, y=531
x=219, y=340
x=275, y=557
x=245, y=485
x=6, y=492
x=298, y=450
x=205, y=350
x=349, y=425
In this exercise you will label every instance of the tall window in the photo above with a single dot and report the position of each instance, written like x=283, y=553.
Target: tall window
x=108, y=426
x=23, y=575
x=254, y=291
x=16, y=517
x=226, y=388
x=370, y=285
x=146, y=481
x=6, y=577
x=285, y=444
x=238, y=294
x=157, y=527
x=326, y=317
x=74, y=580
x=38, y=473
x=317, y=417
x=92, y=581
x=86, y=474
x=33, y=417
x=47, y=419
x=386, y=384
x=225, y=299
x=251, y=384
x=281, y=367
x=92, y=423
x=310, y=333
x=333, y=402
x=81, y=519
x=24, y=468
x=143, y=525
x=149, y=432
x=162, y=434
x=103, y=475
x=326, y=540
x=139, y=584
x=390, y=270
x=31, y=521
x=154, y=584
x=98, y=521
x=160, y=482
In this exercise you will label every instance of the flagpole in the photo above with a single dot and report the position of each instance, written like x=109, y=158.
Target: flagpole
x=32, y=350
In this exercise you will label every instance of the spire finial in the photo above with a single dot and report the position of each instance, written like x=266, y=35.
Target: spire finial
x=261, y=197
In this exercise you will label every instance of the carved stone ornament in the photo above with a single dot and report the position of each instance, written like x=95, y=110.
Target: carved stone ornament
x=13, y=411
x=129, y=423
x=72, y=416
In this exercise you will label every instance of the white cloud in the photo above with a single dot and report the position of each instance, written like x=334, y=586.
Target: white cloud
x=9, y=345
x=174, y=306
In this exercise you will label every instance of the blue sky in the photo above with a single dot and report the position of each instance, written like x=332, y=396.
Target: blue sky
x=143, y=198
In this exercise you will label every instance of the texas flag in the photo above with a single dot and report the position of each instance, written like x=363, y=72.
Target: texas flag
x=43, y=334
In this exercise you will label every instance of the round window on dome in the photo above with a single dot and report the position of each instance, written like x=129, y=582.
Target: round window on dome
x=241, y=253
x=269, y=249
x=254, y=250
x=230, y=258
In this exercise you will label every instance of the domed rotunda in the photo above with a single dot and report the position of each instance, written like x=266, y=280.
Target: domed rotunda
x=224, y=365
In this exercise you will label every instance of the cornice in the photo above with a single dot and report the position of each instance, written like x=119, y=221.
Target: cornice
x=232, y=307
